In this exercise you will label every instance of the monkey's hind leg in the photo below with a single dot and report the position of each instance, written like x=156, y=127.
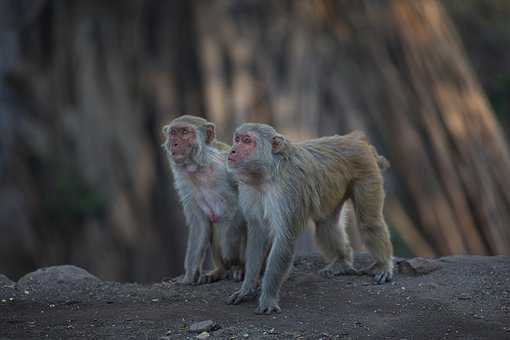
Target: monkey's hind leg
x=368, y=203
x=333, y=242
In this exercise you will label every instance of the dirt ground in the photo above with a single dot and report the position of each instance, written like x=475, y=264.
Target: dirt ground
x=467, y=298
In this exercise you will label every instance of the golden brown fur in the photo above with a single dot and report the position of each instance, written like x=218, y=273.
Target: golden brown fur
x=296, y=182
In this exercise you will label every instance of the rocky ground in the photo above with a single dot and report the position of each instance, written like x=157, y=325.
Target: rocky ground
x=464, y=297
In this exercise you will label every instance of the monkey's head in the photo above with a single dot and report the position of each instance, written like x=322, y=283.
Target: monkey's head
x=255, y=146
x=185, y=138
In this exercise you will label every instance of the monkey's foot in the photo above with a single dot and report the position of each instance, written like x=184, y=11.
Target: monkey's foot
x=337, y=268
x=382, y=273
x=236, y=273
x=212, y=276
x=241, y=296
x=268, y=306
x=189, y=279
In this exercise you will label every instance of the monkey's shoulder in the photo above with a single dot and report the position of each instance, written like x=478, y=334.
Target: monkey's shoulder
x=220, y=146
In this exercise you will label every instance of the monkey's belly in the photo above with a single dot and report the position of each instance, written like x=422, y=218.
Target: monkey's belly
x=213, y=205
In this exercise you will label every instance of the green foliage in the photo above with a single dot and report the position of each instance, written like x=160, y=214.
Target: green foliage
x=499, y=96
x=73, y=199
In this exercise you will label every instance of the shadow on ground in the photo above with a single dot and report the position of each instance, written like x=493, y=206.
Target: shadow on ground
x=468, y=297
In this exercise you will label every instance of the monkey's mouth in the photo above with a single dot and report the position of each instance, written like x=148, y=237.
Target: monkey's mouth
x=232, y=161
x=178, y=157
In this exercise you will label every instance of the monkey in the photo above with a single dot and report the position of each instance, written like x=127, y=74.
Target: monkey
x=208, y=196
x=284, y=184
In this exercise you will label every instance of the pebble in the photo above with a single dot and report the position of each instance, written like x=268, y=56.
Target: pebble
x=203, y=326
x=203, y=335
x=418, y=265
x=246, y=335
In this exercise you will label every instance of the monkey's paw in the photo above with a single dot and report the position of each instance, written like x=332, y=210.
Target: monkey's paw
x=236, y=274
x=383, y=277
x=241, y=296
x=381, y=273
x=268, y=306
x=187, y=281
x=337, y=268
x=211, y=277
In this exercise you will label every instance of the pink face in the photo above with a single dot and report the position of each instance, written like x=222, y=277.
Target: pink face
x=181, y=138
x=243, y=146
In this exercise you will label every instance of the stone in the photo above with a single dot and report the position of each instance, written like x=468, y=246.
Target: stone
x=5, y=282
x=418, y=266
x=203, y=335
x=203, y=326
x=53, y=277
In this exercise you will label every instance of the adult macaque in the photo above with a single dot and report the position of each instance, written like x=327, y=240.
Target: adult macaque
x=283, y=184
x=209, y=199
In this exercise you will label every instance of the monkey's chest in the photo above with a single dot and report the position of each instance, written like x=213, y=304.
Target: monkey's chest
x=211, y=202
x=209, y=194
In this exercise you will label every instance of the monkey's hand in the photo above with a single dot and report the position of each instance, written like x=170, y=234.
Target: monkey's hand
x=268, y=306
x=242, y=295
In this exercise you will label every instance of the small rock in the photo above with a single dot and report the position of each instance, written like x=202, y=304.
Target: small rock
x=52, y=277
x=203, y=326
x=164, y=338
x=246, y=335
x=5, y=282
x=203, y=335
x=418, y=265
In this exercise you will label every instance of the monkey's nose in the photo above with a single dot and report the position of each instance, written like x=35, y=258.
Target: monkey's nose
x=233, y=151
x=176, y=144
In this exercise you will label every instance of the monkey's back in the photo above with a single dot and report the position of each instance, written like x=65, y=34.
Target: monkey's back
x=349, y=155
x=329, y=166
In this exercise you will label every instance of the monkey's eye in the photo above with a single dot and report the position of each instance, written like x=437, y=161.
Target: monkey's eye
x=247, y=140
x=185, y=131
x=172, y=132
x=237, y=139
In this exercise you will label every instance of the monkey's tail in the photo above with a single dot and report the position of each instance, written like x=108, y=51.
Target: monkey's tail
x=382, y=162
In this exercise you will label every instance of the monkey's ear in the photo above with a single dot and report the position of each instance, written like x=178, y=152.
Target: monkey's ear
x=210, y=133
x=165, y=129
x=278, y=143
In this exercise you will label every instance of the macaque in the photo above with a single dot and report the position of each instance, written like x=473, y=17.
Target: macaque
x=208, y=196
x=283, y=184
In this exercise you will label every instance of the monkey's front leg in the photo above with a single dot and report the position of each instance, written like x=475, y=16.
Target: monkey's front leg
x=199, y=238
x=233, y=245
x=256, y=249
x=277, y=269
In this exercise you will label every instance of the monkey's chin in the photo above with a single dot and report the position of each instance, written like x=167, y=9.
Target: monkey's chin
x=179, y=159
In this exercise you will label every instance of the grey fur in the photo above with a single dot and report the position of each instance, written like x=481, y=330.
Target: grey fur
x=203, y=183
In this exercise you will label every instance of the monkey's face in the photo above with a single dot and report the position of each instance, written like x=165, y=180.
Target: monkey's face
x=182, y=139
x=243, y=149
